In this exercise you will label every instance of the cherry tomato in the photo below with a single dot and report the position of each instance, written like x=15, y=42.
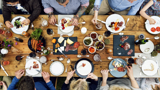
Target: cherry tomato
x=158, y=29
x=116, y=28
x=76, y=44
x=153, y=29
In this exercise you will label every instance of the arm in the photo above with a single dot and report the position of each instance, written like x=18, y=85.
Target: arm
x=50, y=85
x=6, y=13
x=142, y=12
x=79, y=13
x=36, y=10
x=134, y=83
x=46, y=78
x=135, y=8
x=96, y=8
x=93, y=84
x=13, y=84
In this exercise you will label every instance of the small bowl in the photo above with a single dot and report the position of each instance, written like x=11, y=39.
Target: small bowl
x=96, y=45
x=94, y=49
x=94, y=33
x=101, y=37
x=88, y=38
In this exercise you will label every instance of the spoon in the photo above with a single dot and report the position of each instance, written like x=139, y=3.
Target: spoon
x=68, y=61
x=156, y=38
x=58, y=25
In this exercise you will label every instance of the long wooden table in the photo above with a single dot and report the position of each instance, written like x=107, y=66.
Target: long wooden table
x=135, y=27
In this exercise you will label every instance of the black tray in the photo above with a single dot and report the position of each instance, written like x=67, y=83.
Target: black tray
x=74, y=39
x=117, y=42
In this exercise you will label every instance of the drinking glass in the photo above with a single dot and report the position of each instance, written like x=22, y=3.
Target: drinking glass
x=8, y=34
x=98, y=25
x=107, y=34
x=50, y=32
x=97, y=58
x=44, y=23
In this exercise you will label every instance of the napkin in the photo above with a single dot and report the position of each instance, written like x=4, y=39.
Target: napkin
x=59, y=31
x=137, y=69
x=39, y=74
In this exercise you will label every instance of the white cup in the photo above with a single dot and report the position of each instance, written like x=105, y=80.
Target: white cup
x=4, y=51
x=83, y=30
x=43, y=59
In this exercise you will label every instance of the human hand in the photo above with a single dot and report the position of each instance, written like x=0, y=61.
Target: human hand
x=105, y=74
x=52, y=20
x=130, y=72
x=25, y=22
x=19, y=74
x=3, y=84
x=74, y=21
x=94, y=20
x=92, y=76
x=70, y=75
x=9, y=24
x=46, y=76
x=152, y=21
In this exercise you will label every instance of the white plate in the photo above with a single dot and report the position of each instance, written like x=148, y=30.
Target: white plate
x=146, y=65
x=67, y=29
x=19, y=30
x=113, y=18
x=56, y=68
x=84, y=70
x=32, y=71
x=148, y=45
x=148, y=26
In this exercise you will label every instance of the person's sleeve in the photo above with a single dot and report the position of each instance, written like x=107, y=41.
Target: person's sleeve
x=47, y=7
x=65, y=86
x=84, y=2
x=6, y=13
x=93, y=85
x=135, y=8
x=50, y=85
x=36, y=10
x=13, y=84
x=97, y=5
x=104, y=87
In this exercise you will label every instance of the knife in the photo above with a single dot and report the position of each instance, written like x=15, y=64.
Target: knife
x=32, y=26
x=4, y=70
x=61, y=52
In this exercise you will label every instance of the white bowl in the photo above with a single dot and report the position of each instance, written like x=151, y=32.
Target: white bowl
x=88, y=38
x=94, y=48
x=102, y=43
x=101, y=36
x=94, y=33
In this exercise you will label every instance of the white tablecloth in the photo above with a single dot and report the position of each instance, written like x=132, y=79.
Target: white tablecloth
x=137, y=69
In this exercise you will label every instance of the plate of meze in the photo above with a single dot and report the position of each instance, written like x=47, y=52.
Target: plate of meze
x=18, y=28
x=32, y=65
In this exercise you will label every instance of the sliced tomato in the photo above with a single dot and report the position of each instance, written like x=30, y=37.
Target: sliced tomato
x=153, y=29
x=76, y=44
x=158, y=29
x=116, y=28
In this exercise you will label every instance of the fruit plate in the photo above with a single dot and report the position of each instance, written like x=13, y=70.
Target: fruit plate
x=116, y=73
x=83, y=71
x=148, y=26
x=113, y=18
x=19, y=30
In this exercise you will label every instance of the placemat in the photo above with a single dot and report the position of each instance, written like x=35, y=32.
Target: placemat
x=117, y=49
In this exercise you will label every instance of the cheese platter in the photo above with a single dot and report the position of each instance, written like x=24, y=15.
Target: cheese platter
x=68, y=45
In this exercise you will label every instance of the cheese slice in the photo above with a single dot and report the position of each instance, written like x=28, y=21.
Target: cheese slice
x=69, y=41
x=60, y=40
x=55, y=51
x=65, y=43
